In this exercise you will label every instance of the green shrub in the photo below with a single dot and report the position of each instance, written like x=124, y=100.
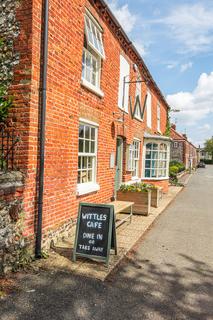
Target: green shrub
x=177, y=164
x=173, y=171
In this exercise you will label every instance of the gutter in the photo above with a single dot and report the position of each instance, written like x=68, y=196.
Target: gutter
x=42, y=120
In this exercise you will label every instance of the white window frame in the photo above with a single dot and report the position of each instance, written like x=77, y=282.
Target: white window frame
x=94, y=55
x=87, y=55
x=129, y=157
x=93, y=32
x=136, y=158
x=158, y=167
x=158, y=117
x=88, y=186
x=149, y=110
x=123, y=90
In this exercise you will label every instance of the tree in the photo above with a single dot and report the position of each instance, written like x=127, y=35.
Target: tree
x=209, y=146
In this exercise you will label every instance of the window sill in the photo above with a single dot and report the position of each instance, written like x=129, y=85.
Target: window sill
x=85, y=188
x=136, y=179
x=137, y=118
x=157, y=179
x=92, y=88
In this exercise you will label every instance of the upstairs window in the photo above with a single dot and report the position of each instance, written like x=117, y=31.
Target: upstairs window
x=123, y=92
x=93, y=53
x=94, y=35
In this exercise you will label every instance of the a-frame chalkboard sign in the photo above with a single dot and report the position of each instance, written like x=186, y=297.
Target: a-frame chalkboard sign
x=95, y=232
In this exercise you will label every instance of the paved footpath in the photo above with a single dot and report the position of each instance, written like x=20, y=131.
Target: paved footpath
x=169, y=276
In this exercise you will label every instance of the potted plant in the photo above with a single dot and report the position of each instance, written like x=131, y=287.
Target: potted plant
x=138, y=193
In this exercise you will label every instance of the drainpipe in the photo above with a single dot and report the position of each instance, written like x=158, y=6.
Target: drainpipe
x=42, y=95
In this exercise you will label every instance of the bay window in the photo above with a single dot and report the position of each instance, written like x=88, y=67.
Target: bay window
x=156, y=160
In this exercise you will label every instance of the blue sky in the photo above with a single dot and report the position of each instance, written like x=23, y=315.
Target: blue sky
x=175, y=39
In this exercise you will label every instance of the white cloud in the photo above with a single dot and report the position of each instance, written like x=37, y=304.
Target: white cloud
x=191, y=26
x=195, y=105
x=205, y=127
x=140, y=47
x=186, y=66
x=123, y=14
x=171, y=65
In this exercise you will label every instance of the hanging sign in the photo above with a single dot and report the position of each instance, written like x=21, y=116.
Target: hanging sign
x=95, y=232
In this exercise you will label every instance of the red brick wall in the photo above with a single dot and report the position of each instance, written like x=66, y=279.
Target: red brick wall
x=67, y=101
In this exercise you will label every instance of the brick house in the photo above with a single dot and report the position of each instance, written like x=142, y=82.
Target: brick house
x=105, y=115
x=182, y=149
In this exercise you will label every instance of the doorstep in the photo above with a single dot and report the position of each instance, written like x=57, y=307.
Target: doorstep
x=60, y=257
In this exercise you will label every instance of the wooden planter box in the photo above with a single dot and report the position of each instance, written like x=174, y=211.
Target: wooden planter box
x=142, y=200
x=156, y=197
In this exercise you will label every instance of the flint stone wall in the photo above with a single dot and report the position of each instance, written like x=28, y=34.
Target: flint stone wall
x=11, y=238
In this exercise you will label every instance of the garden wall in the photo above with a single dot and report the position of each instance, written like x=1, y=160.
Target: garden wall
x=11, y=238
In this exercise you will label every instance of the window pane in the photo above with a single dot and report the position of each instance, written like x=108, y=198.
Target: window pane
x=86, y=146
x=148, y=154
x=94, y=37
x=99, y=42
x=154, y=164
x=154, y=155
x=89, y=175
x=154, y=173
x=84, y=162
x=92, y=146
x=148, y=164
x=89, y=31
x=79, y=162
x=94, y=79
x=81, y=131
x=93, y=133
x=84, y=176
x=81, y=145
x=155, y=146
x=147, y=173
x=87, y=130
x=149, y=146
x=90, y=162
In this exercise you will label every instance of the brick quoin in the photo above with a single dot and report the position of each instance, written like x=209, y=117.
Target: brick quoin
x=67, y=101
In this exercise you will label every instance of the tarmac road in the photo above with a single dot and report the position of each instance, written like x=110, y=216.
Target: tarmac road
x=170, y=275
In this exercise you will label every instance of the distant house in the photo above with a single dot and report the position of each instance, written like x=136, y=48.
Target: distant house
x=182, y=149
x=204, y=155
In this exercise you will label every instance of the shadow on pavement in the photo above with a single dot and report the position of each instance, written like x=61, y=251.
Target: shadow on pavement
x=139, y=290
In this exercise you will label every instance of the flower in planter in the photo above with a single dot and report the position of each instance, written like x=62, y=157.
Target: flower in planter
x=136, y=187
